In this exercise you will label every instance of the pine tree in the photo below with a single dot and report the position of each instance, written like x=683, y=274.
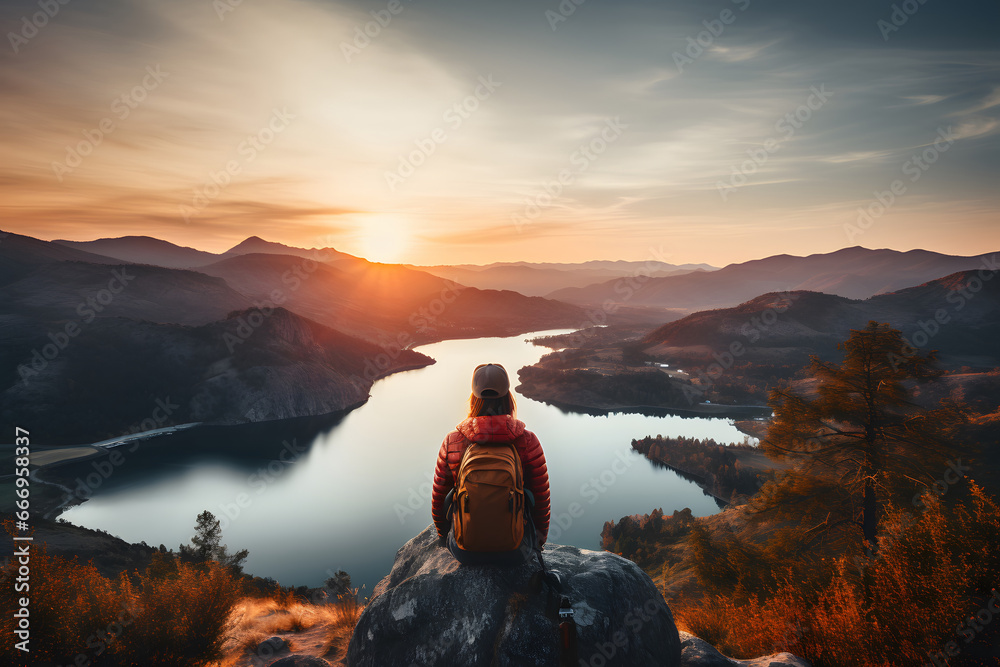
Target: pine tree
x=206, y=544
x=207, y=533
x=859, y=438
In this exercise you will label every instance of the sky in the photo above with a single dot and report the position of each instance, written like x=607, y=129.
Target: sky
x=458, y=131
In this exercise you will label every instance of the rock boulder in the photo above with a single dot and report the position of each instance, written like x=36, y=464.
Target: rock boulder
x=697, y=652
x=429, y=610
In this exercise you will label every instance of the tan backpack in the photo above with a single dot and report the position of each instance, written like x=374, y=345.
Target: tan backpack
x=488, y=510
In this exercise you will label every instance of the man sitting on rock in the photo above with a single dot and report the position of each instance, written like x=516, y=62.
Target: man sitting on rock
x=491, y=485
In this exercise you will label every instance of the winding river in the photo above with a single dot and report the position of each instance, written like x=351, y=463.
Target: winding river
x=312, y=496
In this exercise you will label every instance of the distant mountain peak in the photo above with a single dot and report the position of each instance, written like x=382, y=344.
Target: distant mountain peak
x=251, y=242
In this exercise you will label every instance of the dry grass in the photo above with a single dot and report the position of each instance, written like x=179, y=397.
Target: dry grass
x=254, y=620
x=340, y=618
x=295, y=618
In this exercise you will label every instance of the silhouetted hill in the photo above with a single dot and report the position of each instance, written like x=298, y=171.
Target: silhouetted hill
x=145, y=250
x=255, y=245
x=539, y=279
x=149, y=250
x=812, y=323
x=373, y=300
x=251, y=366
x=855, y=273
x=81, y=291
x=19, y=255
x=734, y=356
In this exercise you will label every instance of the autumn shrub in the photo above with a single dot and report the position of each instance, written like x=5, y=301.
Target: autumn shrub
x=179, y=618
x=173, y=614
x=933, y=569
x=73, y=610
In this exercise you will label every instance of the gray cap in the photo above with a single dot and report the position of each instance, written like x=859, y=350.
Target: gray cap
x=490, y=381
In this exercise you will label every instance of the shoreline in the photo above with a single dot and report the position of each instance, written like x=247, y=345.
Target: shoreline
x=51, y=508
x=111, y=443
x=60, y=493
x=52, y=513
x=706, y=410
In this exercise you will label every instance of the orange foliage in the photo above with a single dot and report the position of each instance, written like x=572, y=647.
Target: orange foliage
x=72, y=610
x=931, y=572
x=167, y=616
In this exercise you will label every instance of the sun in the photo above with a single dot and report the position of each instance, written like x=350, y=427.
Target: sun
x=385, y=238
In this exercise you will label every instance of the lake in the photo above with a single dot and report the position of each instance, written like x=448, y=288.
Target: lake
x=312, y=496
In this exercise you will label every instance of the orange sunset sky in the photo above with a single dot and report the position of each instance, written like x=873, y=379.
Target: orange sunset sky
x=203, y=123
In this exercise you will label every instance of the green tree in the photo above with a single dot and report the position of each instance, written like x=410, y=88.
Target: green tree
x=206, y=545
x=858, y=437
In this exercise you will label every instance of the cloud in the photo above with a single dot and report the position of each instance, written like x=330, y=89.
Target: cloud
x=356, y=118
x=975, y=127
x=989, y=101
x=738, y=54
x=924, y=99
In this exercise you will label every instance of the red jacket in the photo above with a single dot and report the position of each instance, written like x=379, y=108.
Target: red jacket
x=499, y=428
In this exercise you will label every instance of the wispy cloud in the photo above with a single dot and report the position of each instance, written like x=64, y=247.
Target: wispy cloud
x=355, y=120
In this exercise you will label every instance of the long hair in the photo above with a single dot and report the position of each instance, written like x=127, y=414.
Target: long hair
x=500, y=405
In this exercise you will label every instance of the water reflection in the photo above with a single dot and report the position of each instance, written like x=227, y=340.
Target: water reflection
x=311, y=496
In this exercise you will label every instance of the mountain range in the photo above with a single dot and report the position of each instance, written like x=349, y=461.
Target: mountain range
x=853, y=273
x=98, y=331
x=957, y=315
x=540, y=279
x=92, y=341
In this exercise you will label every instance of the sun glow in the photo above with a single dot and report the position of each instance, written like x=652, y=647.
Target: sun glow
x=385, y=238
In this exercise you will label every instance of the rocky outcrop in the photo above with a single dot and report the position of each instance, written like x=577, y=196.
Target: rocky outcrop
x=272, y=646
x=699, y=653
x=301, y=661
x=430, y=610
